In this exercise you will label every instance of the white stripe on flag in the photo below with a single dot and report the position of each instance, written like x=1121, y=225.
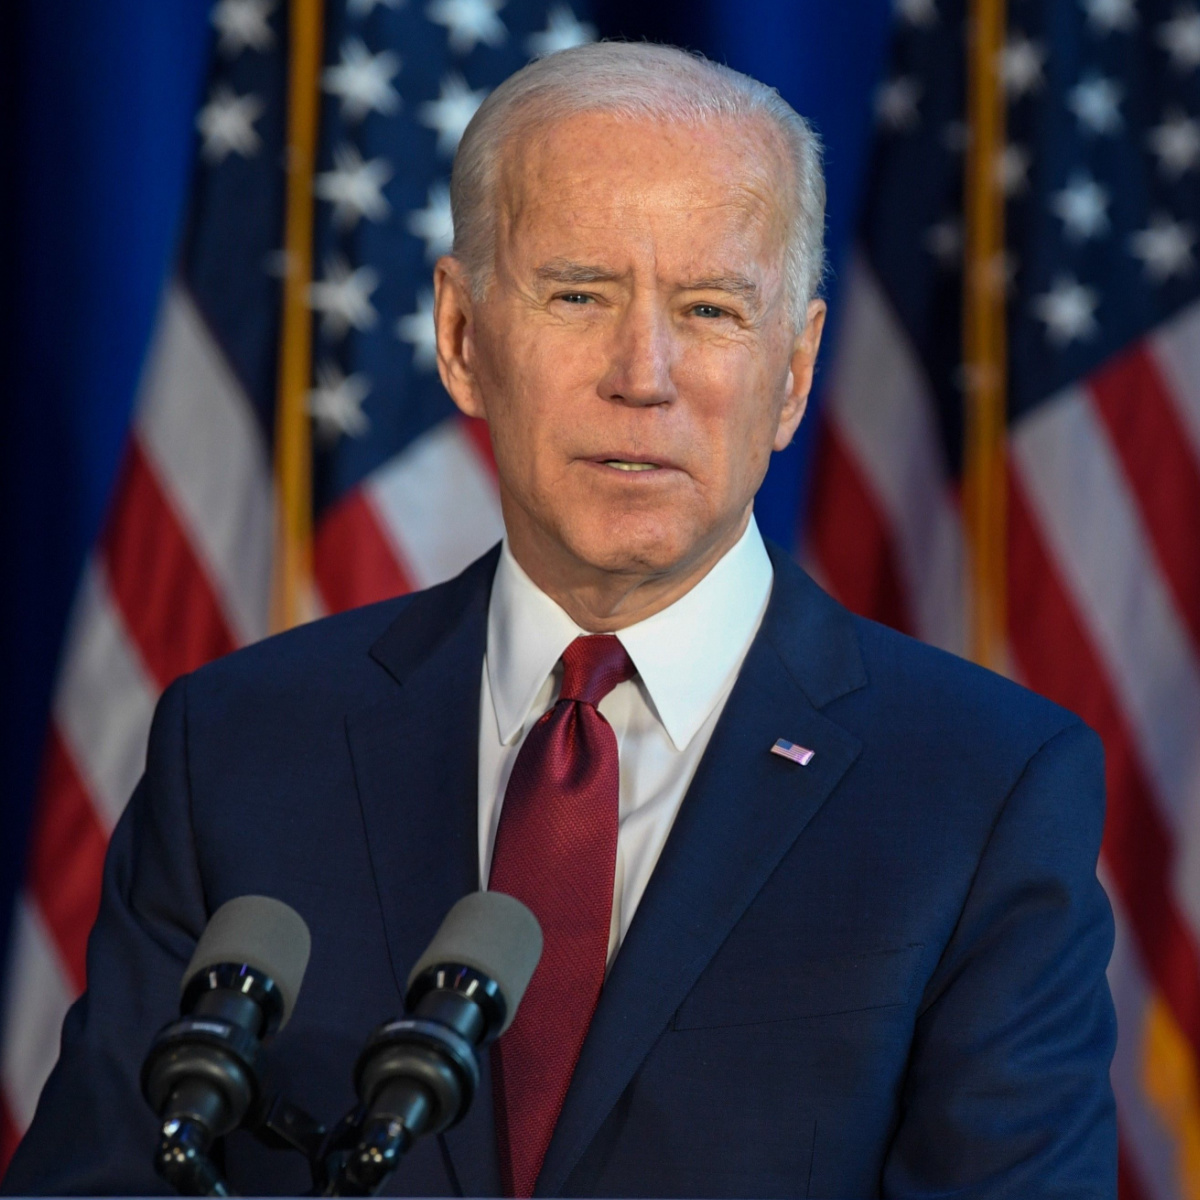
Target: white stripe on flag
x=1093, y=528
x=197, y=425
x=438, y=505
x=104, y=701
x=1176, y=347
x=38, y=996
x=881, y=403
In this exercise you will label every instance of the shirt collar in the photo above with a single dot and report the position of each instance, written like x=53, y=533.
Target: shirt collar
x=687, y=655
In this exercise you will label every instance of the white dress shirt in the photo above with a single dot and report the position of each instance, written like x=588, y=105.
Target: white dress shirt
x=687, y=658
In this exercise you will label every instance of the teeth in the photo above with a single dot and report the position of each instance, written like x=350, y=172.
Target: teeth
x=630, y=466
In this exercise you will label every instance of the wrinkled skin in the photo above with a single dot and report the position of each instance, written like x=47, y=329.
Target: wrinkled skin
x=636, y=314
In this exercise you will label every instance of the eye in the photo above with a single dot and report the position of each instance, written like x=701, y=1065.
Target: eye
x=708, y=311
x=575, y=297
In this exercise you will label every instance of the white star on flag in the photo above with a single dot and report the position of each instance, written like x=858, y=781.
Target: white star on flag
x=1095, y=103
x=562, y=32
x=1068, y=310
x=418, y=330
x=921, y=13
x=451, y=112
x=335, y=404
x=364, y=8
x=1164, y=247
x=1176, y=143
x=1082, y=206
x=354, y=187
x=362, y=80
x=896, y=103
x=944, y=241
x=343, y=297
x=1021, y=63
x=434, y=224
x=469, y=22
x=1180, y=38
x=242, y=25
x=956, y=136
x=1109, y=16
x=1012, y=169
x=226, y=123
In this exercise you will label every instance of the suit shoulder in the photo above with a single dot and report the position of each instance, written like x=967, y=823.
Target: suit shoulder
x=330, y=653
x=351, y=649
x=950, y=742
x=961, y=698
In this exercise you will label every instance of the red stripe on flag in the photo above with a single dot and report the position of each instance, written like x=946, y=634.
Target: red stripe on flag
x=1135, y=404
x=10, y=1138
x=353, y=561
x=1128, y=1185
x=170, y=608
x=851, y=538
x=66, y=857
x=1058, y=660
x=479, y=437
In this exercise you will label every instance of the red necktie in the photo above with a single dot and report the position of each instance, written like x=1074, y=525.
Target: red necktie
x=556, y=850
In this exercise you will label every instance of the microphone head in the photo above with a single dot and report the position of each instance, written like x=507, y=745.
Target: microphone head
x=259, y=932
x=494, y=934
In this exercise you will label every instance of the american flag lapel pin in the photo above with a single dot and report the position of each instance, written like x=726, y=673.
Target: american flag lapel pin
x=792, y=752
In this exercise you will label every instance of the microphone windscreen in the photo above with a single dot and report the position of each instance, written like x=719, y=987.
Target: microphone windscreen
x=494, y=934
x=259, y=932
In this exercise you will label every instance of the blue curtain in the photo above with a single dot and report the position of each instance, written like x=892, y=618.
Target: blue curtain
x=98, y=105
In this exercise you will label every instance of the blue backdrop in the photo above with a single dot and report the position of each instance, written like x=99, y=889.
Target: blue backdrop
x=97, y=102
x=97, y=148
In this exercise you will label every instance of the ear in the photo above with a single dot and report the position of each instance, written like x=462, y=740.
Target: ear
x=453, y=319
x=800, y=374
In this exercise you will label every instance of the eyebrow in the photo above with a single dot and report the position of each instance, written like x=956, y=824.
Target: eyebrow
x=739, y=285
x=562, y=271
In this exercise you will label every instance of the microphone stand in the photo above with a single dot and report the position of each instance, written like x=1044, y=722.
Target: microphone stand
x=355, y=1158
x=184, y=1156
x=183, y=1159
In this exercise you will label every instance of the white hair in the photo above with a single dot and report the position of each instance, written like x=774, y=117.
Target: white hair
x=635, y=80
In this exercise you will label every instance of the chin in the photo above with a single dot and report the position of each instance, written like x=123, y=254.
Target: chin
x=638, y=544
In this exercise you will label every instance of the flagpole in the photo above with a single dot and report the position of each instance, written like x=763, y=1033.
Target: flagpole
x=985, y=340
x=292, y=576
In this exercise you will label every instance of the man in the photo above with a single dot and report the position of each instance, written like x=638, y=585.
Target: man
x=820, y=903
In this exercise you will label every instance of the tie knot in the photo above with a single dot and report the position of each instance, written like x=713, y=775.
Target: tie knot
x=592, y=667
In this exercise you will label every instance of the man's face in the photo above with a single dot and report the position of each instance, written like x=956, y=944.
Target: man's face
x=633, y=356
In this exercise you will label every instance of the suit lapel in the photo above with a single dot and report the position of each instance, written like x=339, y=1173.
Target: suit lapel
x=416, y=767
x=742, y=813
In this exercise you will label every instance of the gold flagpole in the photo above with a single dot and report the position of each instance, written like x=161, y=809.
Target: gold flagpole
x=292, y=576
x=984, y=339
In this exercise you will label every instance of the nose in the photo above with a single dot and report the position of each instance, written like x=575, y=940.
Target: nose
x=641, y=357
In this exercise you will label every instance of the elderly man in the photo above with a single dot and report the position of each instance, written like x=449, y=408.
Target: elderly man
x=820, y=903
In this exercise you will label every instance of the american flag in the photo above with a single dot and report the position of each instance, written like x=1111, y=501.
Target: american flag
x=1100, y=171
x=792, y=752
x=402, y=490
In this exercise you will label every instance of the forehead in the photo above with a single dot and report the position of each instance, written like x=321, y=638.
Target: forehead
x=603, y=174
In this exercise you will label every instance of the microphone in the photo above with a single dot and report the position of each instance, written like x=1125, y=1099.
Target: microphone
x=201, y=1074
x=418, y=1075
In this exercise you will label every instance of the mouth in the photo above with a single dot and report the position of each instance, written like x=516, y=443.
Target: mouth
x=621, y=464
x=630, y=465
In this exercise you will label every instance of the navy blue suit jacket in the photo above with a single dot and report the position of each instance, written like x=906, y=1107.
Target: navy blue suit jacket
x=878, y=974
